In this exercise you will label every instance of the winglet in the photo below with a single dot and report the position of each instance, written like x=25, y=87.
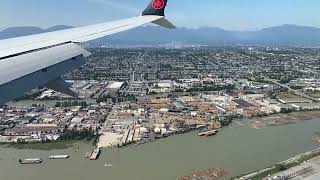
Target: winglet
x=164, y=23
x=156, y=8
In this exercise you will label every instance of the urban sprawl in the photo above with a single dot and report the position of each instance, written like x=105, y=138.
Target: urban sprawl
x=135, y=96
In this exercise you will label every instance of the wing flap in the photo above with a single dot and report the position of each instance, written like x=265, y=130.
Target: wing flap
x=60, y=85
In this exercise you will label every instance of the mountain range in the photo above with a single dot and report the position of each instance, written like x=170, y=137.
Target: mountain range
x=285, y=35
x=12, y=32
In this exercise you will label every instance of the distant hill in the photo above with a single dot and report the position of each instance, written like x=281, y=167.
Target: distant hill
x=57, y=28
x=28, y=30
x=285, y=35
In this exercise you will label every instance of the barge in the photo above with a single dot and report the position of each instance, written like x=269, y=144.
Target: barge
x=87, y=155
x=59, y=157
x=30, y=161
x=208, y=133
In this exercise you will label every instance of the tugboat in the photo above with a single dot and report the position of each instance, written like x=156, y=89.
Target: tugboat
x=30, y=161
x=88, y=154
x=108, y=165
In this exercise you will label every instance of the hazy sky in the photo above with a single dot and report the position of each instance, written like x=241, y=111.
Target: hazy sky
x=228, y=14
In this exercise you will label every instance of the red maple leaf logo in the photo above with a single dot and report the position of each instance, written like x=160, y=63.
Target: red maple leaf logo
x=158, y=4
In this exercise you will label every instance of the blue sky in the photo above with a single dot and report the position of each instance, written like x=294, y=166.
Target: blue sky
x=227, y=14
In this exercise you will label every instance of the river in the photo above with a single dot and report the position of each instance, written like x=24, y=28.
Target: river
x=236, y=149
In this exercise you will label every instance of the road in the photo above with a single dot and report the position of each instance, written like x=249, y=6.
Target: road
x=107, y=139
x=296, y=92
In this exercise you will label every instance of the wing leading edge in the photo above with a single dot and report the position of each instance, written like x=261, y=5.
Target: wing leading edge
x=9, y=47
x=36, y=60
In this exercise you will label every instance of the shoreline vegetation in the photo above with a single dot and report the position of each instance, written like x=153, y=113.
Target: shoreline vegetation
x=47, y=146
x=67, y=140
x=44, y=146
x=282, y=166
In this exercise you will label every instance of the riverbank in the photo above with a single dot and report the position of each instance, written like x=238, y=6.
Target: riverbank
x=48, y=146
x=282, y=166
x=65, y=141
x=170, y=158
x=109, y=139
x=279, y=119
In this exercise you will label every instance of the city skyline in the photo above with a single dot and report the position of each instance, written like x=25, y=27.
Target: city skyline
x=239, y=15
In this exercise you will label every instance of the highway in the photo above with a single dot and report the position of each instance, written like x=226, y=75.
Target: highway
x=296, y=92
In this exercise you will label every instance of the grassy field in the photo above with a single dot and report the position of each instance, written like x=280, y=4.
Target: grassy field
x=287, y=96
x=305, y=158
x=274, y=170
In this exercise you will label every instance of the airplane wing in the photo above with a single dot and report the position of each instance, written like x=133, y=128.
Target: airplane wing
x=39, y=60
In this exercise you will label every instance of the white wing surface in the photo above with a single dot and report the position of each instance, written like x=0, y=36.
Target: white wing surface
x=39, y=60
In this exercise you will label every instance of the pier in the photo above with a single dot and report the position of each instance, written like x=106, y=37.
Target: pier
x=130, y=137
x=136, y=135
x=125, y=136
x=95, y=154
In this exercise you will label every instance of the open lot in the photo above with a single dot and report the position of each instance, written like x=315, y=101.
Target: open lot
x=279, y=119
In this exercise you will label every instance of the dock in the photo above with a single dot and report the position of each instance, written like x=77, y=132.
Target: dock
x=136, y=135
x=95, y=154
x=208, y=133
x=125, y=136
x=130, y=136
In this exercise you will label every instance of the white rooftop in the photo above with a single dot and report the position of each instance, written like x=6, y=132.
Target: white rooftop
x=164, y=85
x=115, y=85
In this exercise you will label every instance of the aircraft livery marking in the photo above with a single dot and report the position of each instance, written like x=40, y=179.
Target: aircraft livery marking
x=158, y=4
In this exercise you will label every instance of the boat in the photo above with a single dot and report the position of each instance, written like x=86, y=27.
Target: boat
x=30, y=161
x=108, y=165
x=59, y=157
x=208, y=133
x=87, y=155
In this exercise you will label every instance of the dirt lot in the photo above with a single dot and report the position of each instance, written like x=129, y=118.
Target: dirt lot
x=279, y=119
